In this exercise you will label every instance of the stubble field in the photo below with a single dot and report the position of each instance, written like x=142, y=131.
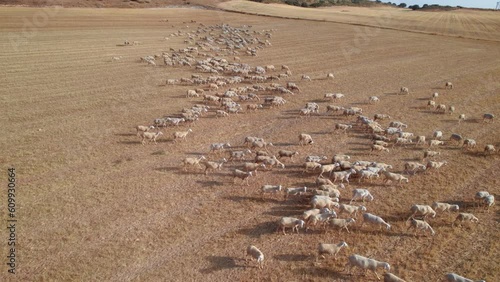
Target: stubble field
x=96, y=205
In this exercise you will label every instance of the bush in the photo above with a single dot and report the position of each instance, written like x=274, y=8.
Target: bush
x=414, y=7
x=402, y=5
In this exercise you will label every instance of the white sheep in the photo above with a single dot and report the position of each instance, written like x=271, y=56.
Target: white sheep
x=433, y=143
x=461, y=118
x=311, y=166
x=437, y=135
x=313, y=212
x=479, y=197
x=238, y=155
x=181, y=134
x=431, y=104
x=489, y=149
x=448, y=85
x=489, y=201
x=441, y=108
x=378, y=148
x=361, y=194
x=413, y=167
x=328, y=168
x=375, y=220
x=250, y=139
x=404, y=90
x=305, y=139
x=252, y=167
x=389, y=277
x=306, y=77
x=270, y=189
x=435, y=95
x=442, y=207
x=396, y=177
x=453, y=277
x=256, y=254
x=349, y=209
x=142, y=128
x=260, y=144
x=461, y=217
x=318, y=202
x=209, y=165
x=423, y=210
x=325, y=181
x=295, y=191
x=243, y=175
x=192, y=162
x=321, y=218
x=366, y=264
x=317, y=159
x=341, y=223
x=421, y=225
x=469, y=144
x=431, y=165
x=367, y=174
x=217, y=147
x=151, y=136
x=381, y=116
x=373, y=99
x=331, y=249
x=287, y=222
x=286, y=153
x=430, y=154
x=344, y=127
x=343, y=175
x=330, y=75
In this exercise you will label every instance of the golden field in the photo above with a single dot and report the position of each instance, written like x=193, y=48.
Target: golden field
x=93, y=204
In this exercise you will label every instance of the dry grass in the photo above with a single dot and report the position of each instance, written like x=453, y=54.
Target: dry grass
x=97, y=205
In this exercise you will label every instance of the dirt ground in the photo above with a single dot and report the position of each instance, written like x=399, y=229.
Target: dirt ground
x=96, y=205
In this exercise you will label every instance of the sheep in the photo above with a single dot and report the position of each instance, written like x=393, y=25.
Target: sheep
x=252, y=167
x=461, y=118
x=368, y=174
x=221, y=113
x=322, y=218
x=334, y=96
x=271, y=189
x=461, y=217
x=313, y=212
x=328, y=190
x=216, y=147
x=420, y=140
x=456, y=138
x=375, y=220
x=254, y=107
x=430, y=154
x=250, y=139
x=423, y=210
x=343, y=175
x=489, y=149
x=181, y=134
x=453, y=277
x=366, y=264
x=448, y=85
x=396, y=177
x=191, y=93
x=378, y=148
x=373, y=99
x=152, y=136
x=330, y=75
x=192, y=162
x=326, y=202
x=286, y=153
x=331, y=249
x=404, y=90
x=238, y=155
x=341, y=223
x=437, y=135
x=315, y=158
x=381, y=116
x=431, y=104
x=333, y=108
x=433, y=143
x=489, y=201
x=209, y=165
x=306, y=77
x=441, y=108
x=305, y=139
x=451, y=109
x=328, y=168
x=402, y=141
x=480, y=196
x=349, y=209
x=242, y=175
x=292, y=222
x=273, y=161
x=295, y=191
x=442, y=207
x=172, y=81
x=420, y=225
x=469, y=144
x=256, y=254
x=260, y=144
x=292, y=86
x=389, y=277
x=398, y=125
x=435, y=95
x=380, y=137
x=142, y=128
x=344, y=127
x=413, y=167
x=488, y=117
x=361, y=194
x=435, y=165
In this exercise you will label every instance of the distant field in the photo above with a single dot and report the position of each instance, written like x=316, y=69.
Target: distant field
x=461, y=23
x=96, y=205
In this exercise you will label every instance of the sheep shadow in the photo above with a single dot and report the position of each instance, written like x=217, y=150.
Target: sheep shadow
x=210, y=183
x=324, y=272
x=166, y=168
x=130, y=142
x=256, y=231
x=292, y=257
x=125, y=134
x=253, y=199
x=218, y=263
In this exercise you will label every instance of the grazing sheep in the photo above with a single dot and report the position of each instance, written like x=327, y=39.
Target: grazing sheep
x=469, y=144
x=313, y=212
x=361, y=194
x=433, y=143
x=330, y=75
x=181, y=134
x=344, y=127
x=441, y=108
x=453, y=277
x=431, y=165
x=375, y=220
x=489, y=149
x=378, y=148
x=442, y=207
x=423, y=210
x=366, y=264
x=373, y=99
x=333, y=108
x=435, y=95
x=396, y=177
x=305, y=139
x=209, y=165
x=448, y=85
x=389, y=277
x=271, y=189
x=381, y=117
x=306, y=77
x=480, y=196
x=488, y=117
x=292, y=222
x=318, y=202
x=260, y=144
x=420, y=140
x=334, y=96
x=192, y=162
x=461, y=118
x=341, y=223
x=250, y=139
x=252, y=167
x=489, y=201
x=451, y=109
x=461, y=217
x=242, y=175
x=256, y=254
x=431, y=104
x=404, y=90
x=413, y=167
x=420, y=225
x=151, y=136
x=321, y=218
x=437, y=135
x=331, y=249
x=349, y=209
x=430, y=154
x=456, y=138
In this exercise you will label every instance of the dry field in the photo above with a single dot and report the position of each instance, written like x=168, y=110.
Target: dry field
x=96, y=205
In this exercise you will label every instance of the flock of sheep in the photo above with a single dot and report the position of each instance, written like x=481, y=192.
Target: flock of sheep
x=222, y=88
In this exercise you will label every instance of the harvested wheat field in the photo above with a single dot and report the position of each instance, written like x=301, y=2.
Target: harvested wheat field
x=94, y=204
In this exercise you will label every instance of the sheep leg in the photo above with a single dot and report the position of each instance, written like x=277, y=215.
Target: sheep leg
x=378, y=278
